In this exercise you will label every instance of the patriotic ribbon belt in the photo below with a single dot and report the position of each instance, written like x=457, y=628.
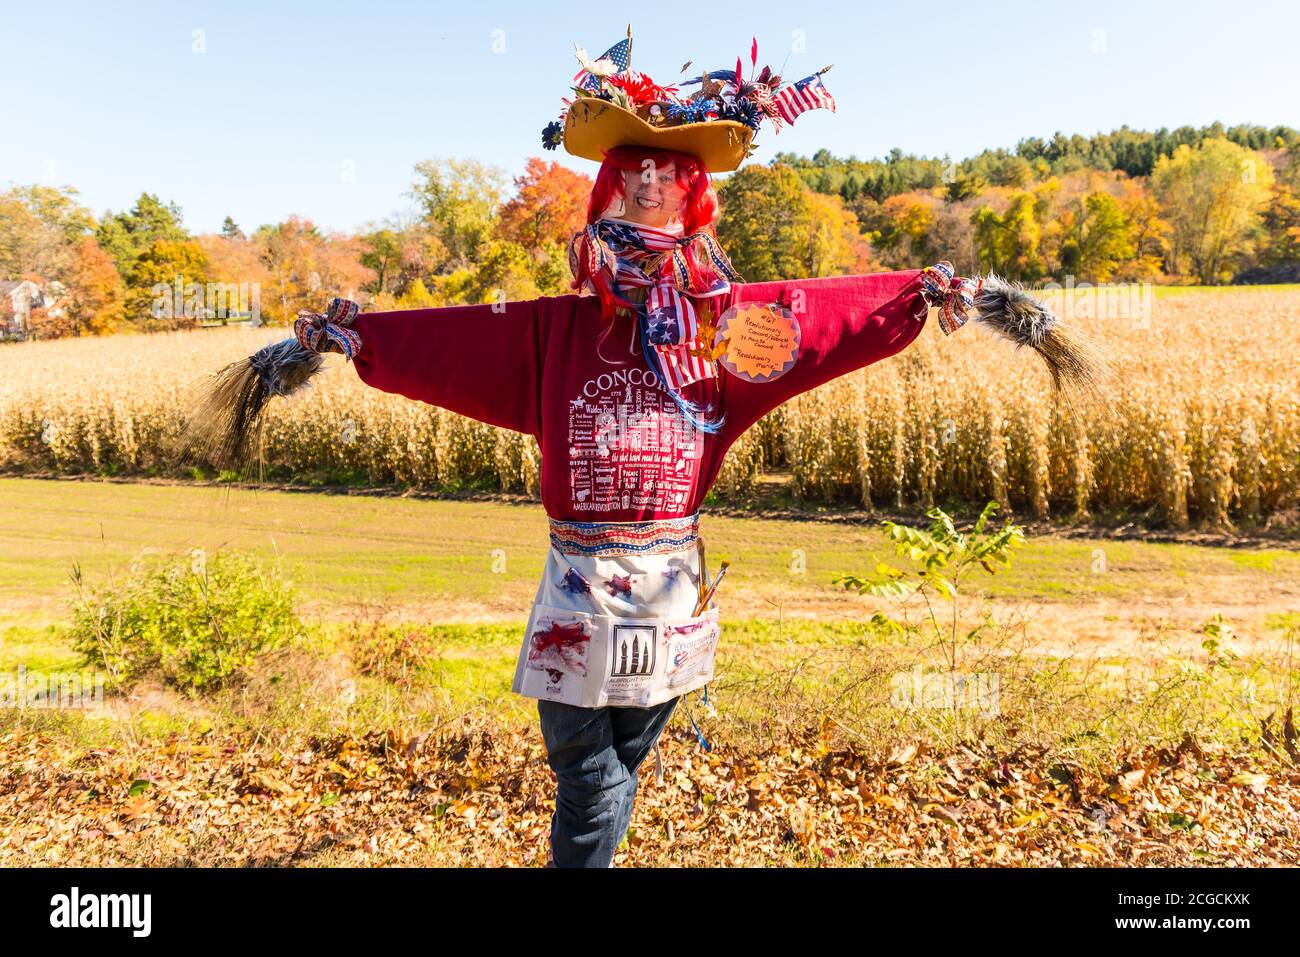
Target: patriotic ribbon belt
x=607, y=539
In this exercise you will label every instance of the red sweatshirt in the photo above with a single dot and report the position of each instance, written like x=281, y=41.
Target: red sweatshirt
x=614, y=445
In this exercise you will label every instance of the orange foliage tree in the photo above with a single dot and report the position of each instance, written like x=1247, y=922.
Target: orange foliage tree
x=95, y=300
x=550, y=205
x=305, y=267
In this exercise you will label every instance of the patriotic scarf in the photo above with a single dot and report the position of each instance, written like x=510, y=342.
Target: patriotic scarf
x=664, y=264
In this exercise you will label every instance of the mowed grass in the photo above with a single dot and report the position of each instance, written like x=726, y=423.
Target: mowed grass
x=468, y=570
x=415, y=608
x=480, y=560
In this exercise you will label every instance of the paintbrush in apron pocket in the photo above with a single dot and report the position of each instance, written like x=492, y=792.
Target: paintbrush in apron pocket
x=708, y=595
x=702, y=583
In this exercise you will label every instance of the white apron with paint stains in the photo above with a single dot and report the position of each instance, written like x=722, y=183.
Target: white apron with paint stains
x=611, y=624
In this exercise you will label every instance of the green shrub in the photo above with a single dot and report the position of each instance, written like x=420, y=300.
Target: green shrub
x=197, y=621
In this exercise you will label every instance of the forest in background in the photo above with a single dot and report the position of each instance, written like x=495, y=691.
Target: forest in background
x=1189, y=206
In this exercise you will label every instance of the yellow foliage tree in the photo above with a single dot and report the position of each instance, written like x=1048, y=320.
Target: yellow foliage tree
x=1212, y=197
x=836, y=246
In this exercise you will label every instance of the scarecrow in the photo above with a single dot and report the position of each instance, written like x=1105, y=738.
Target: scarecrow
x=634, y=387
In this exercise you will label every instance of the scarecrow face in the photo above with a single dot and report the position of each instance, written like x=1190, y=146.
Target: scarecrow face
x=652, y=196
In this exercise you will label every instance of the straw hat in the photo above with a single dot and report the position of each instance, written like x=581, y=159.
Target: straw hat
x=593, y=126
x=713, y=115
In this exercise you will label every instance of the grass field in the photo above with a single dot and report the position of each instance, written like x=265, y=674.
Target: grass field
x=432, y=559
x=415, y=608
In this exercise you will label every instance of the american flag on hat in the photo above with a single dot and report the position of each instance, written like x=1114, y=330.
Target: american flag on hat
x=618, y=54
x=810, y=93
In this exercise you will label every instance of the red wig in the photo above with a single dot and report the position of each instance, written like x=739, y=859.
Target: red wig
x=699, y=208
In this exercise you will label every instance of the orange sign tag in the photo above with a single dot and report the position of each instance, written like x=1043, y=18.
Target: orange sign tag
x=757, y=341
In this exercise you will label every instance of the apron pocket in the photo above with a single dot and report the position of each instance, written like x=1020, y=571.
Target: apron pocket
x=594, y=661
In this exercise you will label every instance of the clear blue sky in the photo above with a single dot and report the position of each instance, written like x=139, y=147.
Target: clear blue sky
x=112, y=99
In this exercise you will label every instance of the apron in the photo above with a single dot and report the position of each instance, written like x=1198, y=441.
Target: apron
x=611, y=624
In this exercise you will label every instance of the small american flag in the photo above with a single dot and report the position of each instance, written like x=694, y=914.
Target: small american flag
x=680, y=368
x=808, y=94
x=618, y=54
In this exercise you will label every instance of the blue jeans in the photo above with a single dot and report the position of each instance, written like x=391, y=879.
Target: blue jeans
x=595, y=753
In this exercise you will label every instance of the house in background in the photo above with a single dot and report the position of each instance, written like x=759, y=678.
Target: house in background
x=18, y=297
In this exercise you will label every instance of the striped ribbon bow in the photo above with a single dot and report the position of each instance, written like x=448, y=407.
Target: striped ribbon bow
x=328, y=331
x=953, y=296
x=762, y=95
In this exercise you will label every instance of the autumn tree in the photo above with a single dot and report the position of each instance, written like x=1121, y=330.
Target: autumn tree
x=1282, y=223
x=126, y=236
x=549, y=205
x=1282, y=217
x=459, y=200
x=233, y=259
x=1212, y=196
x=46, y=236
x=95, y=300
x=835, y=244
x=40, y=230
x=166, y=285
x=305, y=268
x=950, y=237
x=400, y=253
x=237, y=274
x=1150, y=233
x=151, y=248
x=1008, y=243
x=505, y=274
x=965, y=187
x=550, y=269
x=382, y=253
x=1099, y=235
x=765, y=212
x=901, y=228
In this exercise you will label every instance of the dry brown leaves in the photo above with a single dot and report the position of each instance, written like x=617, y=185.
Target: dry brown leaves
x=482, y=795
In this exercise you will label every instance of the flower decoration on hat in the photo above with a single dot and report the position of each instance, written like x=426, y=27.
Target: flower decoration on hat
x=713, y=116
x=553, y=135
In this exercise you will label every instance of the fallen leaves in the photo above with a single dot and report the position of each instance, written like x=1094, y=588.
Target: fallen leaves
x=481, y=794
x=1253, y=780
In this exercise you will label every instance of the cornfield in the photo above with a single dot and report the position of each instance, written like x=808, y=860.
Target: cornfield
x=1201, y=423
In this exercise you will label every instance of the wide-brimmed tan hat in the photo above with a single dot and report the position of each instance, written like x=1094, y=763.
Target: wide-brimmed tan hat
x=594, y=125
